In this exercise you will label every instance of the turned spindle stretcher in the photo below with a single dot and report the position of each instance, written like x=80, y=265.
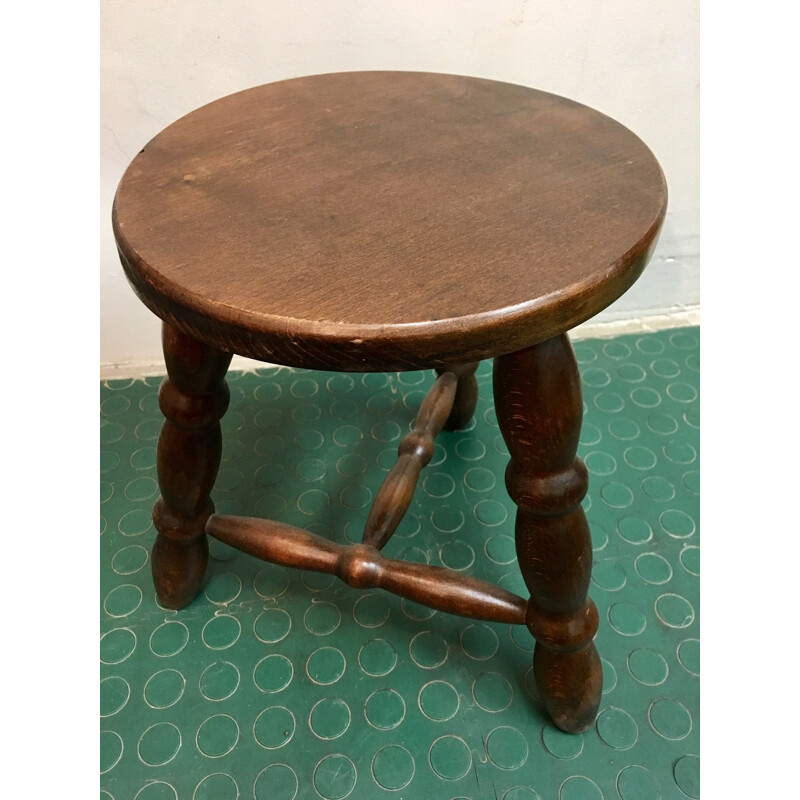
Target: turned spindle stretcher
x=362, y=565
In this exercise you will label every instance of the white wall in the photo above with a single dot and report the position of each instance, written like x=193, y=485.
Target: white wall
x=635, y=60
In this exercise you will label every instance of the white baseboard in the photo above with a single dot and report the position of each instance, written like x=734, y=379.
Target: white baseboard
x=605, y=329
x=147, y=368
x=593, y=329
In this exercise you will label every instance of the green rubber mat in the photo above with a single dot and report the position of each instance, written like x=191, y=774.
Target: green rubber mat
x=277, y=684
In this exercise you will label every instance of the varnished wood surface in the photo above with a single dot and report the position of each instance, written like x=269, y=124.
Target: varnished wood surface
x=466, y=395
x=539, y=408
x=414, y=452
x=386, y=220
x=363, y=567
x=193, y=398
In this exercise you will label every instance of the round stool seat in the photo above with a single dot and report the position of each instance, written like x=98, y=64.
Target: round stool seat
x=386, y=220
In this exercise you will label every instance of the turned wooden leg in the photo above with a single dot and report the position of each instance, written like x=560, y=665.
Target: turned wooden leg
x=193, y=399
x=539, y=408
x=466, y=395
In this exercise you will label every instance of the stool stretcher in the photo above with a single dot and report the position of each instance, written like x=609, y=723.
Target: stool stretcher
x=415, y=451
x=362, y=566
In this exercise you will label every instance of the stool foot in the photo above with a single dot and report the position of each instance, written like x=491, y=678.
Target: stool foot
x=570, y=685
x=193, y=398
x=178, y=569
x=466, y=395
x=539, y=409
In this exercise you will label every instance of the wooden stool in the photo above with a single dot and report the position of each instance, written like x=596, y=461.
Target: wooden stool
x=377, y=221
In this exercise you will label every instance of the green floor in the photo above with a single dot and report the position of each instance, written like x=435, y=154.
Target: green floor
x=276, y=684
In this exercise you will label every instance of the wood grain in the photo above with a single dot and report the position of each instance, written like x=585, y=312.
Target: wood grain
x=466, y=395
x=386, y=220
x=414, y=452
x=363, y=567
x=539, y=409
x=193, y=398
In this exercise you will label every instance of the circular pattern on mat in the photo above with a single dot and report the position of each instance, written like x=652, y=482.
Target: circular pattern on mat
x=393, y=767
x=560, y=744
x=272, y=626
x=276, y=782
x=492, y=692
x=648, y=666
x=117, y=645
x=674, y=611
x=638, y=783
x=507, y=748
x=326, y=665
x=435, y=699
x=159, y=744
x=627, y=619
x=273, y=673
x=438, y=700
x=217, y=736
x=334, y=777
x=450, y=757
x=129, y=560
x=579, y=787
x=670, y=718
x=687, y=775
x=428, y=650
x=617, y=728
x=221, y=632
x=385, y=709
x=479, y=641
x=274, y=727
x=219, y=681
x=169, y=639
x=164, y=688
x=219, y=786
x=653, y=568
x=114, y=694
x=329, y=718
x=377, y=658
x=689, y=655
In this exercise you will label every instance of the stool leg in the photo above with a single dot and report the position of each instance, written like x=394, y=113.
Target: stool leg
x=466, y=395
x=193, y=399
x=539, y=409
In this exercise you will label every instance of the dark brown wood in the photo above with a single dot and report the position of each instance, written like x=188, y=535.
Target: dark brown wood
x=539, y=409
x=415, y=451
x=466, y=395
x=386, y=220
x=193, y=399
x=362, y=566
